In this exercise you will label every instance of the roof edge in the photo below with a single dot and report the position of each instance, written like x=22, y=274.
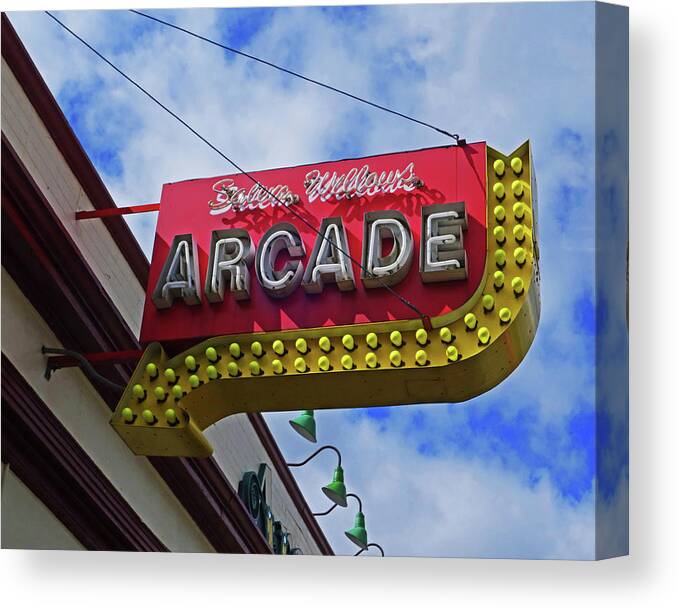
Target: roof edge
x=20, y=63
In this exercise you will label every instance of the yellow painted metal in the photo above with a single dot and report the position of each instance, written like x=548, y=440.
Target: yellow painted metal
x=437, y=374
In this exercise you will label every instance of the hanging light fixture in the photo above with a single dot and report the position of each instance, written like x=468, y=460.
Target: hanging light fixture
x=304, y=424
x=357, y=534
x=336, y=490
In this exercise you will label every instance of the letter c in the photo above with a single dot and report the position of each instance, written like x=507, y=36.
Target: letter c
x=280, y=237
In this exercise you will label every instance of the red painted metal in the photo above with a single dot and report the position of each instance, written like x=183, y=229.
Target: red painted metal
x=449, y=174
x=108, y=212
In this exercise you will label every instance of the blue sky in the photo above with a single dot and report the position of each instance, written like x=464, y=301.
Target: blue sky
x=509, y=474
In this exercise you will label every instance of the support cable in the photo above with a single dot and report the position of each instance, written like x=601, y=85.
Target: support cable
x=308, y=79
x=425, y=318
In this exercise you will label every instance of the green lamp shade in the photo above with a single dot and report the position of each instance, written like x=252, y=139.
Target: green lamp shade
x=336, y=490
x=304, y=424
x=358, y=534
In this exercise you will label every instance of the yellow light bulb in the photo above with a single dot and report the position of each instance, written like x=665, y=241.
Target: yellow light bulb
x=519, y=210
x=421, y=357
x=372, y=340
x=277, y=367
x=212, y=372
x=488, y=302
x=255, y=369
x=517, y=165
x=499, y=213
x=348, y=342
x=170, y=375
x=500, y=257
x=232, y=369
x=127, y=415
x=519, y=232
x=520, y=255
x=177, y=392
x=194, y=381
x=347, y=362
x=499, y=167
x=300, y=365
x=301, y=345
x=371, y=359
x=421, y=336
x=498, y=279
x=234, y=350
x=470, y=320
x=257, y=349
x=190, y=363
x=395, y=358
x=452, y=353
x=517, y=188
x=445, y=334
x=396, y=338
x=325, y=344
x=138, y=391
x=152, y=370
x=147, y=416
x=517, y=285
x=279, y=347
x=211, y=354
x=483, y=335
x=324, y=363
x=504, y=314
x=171, y=416
x=159, y=393
x=499, y=234
x=499, y=190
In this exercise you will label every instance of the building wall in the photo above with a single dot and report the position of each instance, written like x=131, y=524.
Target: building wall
x=40, y=155
x=238, y=449
x=69, y=395
x=27, y=523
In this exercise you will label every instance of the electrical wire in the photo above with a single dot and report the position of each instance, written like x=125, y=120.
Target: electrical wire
x=425, y=318
x=454, y=136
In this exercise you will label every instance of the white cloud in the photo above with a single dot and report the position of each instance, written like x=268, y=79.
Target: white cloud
x=451, y=506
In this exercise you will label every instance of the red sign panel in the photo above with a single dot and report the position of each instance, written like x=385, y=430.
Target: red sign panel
x=404, y=183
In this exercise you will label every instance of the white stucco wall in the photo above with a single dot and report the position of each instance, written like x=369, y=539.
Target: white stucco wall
x=27, y=523
x=39, y=153
x=237, y=449
x=71, y=397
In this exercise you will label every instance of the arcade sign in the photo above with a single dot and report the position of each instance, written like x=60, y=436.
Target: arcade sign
x=395, y=279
